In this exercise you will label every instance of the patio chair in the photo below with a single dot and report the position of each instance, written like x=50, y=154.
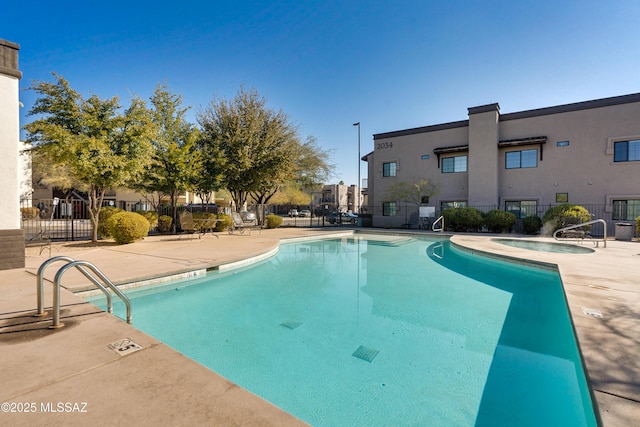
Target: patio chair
x=237, y=224
x=187, y=225
x=575, y=233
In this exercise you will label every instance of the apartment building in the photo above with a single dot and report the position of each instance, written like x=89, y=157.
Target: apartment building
x=585, y=153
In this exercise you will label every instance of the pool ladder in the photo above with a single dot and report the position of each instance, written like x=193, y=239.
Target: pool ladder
x=86, y=268
x=439, y=220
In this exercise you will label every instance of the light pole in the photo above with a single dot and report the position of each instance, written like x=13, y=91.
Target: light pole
x=357, y=196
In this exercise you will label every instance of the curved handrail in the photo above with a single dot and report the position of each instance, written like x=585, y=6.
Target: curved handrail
x=441, y=220
x=79, y=265
x=40, y=283
x=571, y=227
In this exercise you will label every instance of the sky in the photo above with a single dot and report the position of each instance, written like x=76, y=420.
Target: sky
x=389, y=65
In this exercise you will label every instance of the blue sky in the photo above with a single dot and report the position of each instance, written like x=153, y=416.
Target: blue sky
x=389, y=65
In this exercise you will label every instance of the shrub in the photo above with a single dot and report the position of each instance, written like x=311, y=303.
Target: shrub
x=151, y=216
x=29, y=213
x=554, y=216
x=164, y=224
x=226, y=222
x=498, y=221
x=273, y=221
x=127, y=227
x=462, y=219
x=638, y=225
x=103, y=221
x=531, y=224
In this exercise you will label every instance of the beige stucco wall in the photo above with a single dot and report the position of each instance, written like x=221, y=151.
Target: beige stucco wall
x=584, y=169
x=407, y=151
x=483, y=156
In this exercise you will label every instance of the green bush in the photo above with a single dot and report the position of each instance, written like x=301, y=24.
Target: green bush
x=127, y=227
x=103, y=220
x=151, y=216
x=462, y=219
x=554, y=216
x=164, y=224
x=226, y=222
x=531, y=224
x=273, y=221
x=638, y=225
x=498, y=221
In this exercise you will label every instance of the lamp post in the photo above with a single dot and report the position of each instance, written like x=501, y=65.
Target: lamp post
x=357, y=196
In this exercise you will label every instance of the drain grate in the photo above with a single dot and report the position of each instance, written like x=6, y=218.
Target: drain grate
x=365, y=353
x=291, y=324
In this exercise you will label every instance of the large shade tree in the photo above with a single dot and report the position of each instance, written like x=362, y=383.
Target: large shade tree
x=100, y=146
x=311, y=168
x=175, y=162
x=256, y=142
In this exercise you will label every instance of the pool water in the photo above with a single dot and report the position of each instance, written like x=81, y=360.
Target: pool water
x=545, y=246
x=382, y=332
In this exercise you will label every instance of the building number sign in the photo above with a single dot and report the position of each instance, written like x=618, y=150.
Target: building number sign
x=384, y=145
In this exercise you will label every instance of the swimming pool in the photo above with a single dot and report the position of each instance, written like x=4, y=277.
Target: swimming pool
x=544, y=246
x=397, y=331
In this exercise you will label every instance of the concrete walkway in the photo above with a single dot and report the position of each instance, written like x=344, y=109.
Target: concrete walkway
x=71, y=376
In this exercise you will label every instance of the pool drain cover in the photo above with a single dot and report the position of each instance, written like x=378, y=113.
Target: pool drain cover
x=291, y=324
x=365, y=353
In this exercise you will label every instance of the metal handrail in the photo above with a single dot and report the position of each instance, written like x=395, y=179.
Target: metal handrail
x=80, y=265
x=571, y=227
x=40, y=283
x=441, y=220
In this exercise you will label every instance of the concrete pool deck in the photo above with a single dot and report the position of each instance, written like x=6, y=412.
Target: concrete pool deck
x=74, y=365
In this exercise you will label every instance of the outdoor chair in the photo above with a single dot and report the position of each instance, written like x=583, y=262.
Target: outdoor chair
x=575, y=233
x=238, y=224
x=187, y=225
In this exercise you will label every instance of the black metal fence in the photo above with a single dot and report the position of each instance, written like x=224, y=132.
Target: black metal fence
x=409, y=217
x=55, y=219
x=68, y=219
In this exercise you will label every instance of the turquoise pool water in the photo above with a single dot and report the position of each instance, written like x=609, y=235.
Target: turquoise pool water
x=382, y=332
x=544, y=246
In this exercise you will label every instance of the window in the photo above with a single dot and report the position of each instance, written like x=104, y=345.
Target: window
x=388, y=208
x=562, y=144
x=521, y=159
x=454, y=164
x=626, y=210
x=449, y=205
x=521, y=208
x=389, y=169
x=626, y=151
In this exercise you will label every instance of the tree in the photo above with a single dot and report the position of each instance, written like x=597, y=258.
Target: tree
x=96, y=145
x=255, y=142
x=175, y=161
x=415, y=193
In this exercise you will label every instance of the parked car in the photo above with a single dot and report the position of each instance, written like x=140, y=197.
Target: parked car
x=304, y=213
x=248, y=216
x=342, y=217
x=293, y=212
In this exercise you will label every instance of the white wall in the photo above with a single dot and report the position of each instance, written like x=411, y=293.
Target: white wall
x=10, y=169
